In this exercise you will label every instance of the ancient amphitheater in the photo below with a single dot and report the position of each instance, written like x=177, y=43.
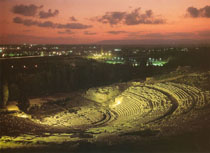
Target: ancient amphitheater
x=134, y=111
x=139, y=104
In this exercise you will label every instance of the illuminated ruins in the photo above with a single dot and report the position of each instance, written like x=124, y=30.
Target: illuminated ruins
x=111, y=112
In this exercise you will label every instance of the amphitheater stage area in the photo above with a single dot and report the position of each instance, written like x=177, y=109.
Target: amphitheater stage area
x=171, y=114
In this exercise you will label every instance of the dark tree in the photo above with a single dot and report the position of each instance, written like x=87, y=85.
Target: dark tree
x=23, y=103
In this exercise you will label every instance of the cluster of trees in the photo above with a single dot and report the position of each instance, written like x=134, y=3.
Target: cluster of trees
x=63, y=77
x=195, y=59
x=61, y=74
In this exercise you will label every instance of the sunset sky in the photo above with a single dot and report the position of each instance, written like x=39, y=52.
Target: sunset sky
x=90, y=21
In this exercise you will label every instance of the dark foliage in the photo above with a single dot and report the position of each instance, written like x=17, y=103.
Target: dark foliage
x=23, y=103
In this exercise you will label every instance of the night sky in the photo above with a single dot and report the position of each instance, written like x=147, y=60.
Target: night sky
x=90, y=21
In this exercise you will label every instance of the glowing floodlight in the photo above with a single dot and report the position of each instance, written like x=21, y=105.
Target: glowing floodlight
x=22, y=115
x=118, y=101
x=12, y=108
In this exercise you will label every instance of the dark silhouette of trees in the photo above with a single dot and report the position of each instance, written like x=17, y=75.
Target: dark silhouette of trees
x=4, y=89
x=1, y=85
x=23, y=102
x=5, y=92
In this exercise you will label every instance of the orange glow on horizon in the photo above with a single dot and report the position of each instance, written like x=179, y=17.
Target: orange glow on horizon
x=176, y=24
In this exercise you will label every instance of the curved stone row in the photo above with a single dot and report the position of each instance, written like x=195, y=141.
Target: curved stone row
x=187, y=97
x=183, y=99
x=197, y=95
x=150, y=102
x=85, y=116
x=141, y=102
x=108, y=116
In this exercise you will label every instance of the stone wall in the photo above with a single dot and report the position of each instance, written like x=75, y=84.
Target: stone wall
x=102, y=94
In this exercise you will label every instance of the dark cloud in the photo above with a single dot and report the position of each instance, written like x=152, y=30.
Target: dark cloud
x=73, y=26
x=116, y=32
x=89, y=33
x=26, y=10
x=46, y=24
x=49, y=24
x=112, y=17
x=66, y=32
x=135, y=17
x=33, y=10
x=193, y=12
x=44, y=15
x=26, y=22
x=202, y=12
x=72, y=18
